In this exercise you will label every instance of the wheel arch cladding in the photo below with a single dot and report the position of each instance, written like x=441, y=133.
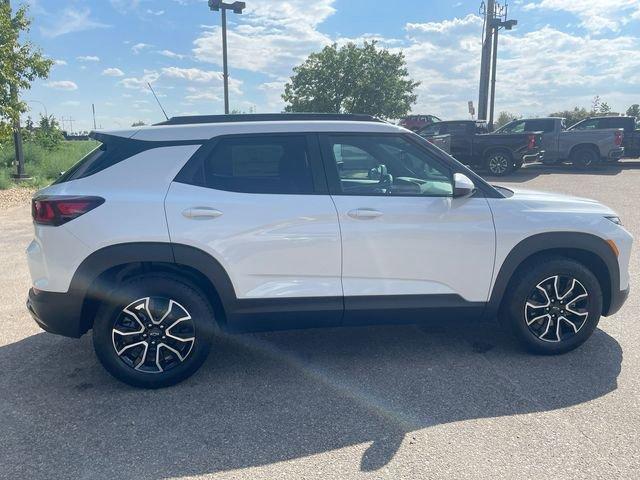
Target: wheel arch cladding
x=590, y=250
x=110, y=265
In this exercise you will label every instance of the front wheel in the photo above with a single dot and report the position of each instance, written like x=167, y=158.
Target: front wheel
x=499, y=163
x=554, y=306
x=153, y=331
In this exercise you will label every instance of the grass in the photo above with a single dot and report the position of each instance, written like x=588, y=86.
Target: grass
x=42, y=164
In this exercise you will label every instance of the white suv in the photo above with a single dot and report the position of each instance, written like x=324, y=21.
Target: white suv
x=243, y=223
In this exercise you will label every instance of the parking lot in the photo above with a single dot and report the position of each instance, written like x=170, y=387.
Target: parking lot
x=434, y=401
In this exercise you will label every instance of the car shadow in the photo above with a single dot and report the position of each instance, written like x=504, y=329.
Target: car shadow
x=272, y=397
x=529, y=172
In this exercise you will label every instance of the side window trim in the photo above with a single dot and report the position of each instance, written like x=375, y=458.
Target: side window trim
x=331, y=169
x=195, y=165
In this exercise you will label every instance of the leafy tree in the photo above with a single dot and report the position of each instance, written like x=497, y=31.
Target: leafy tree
x=634, y=111
x=139, y=123
x=20, y=62
x=352, y=79
x=573, y=116
x=504, y=118
x=48, y=133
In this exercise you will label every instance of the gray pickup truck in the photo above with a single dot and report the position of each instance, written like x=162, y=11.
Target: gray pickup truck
x=581, y=148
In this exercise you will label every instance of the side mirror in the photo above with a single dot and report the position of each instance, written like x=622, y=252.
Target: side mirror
x=463, y=186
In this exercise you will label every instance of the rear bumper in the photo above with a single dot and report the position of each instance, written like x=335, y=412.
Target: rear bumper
x=530, y=157
x=616, y=153
x=59, y=313
x=617, y=301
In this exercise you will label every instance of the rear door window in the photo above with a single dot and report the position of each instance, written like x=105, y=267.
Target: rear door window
x=260, y=164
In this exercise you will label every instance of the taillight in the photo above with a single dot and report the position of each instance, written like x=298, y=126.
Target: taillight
x=57, y=211
x=619, y=138
x=532, y=142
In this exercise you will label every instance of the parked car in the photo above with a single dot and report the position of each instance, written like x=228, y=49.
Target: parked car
x=631, y=140
x=165, y=234
x=472, y=145
x=580, y=147
x=416, y=122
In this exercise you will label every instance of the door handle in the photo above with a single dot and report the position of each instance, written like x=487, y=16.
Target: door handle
x=201, y=212
x=365, y=213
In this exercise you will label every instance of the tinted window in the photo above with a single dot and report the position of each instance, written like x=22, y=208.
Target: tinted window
x=387, y=165
x=458, y=128
x=590, y=124
x=435, y=129
x=513, y=127
x=540, y=125
x=263, y=164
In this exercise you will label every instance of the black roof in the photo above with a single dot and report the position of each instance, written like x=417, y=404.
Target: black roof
x=267, y=117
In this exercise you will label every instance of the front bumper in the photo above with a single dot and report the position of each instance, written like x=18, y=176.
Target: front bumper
x=617, y=301
x=59, y=313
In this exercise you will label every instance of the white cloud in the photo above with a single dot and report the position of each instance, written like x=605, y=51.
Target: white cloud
x=170, y=54
x=595, y=16
x=192, y=74
x=113, y=72
x=60, y=63
x=273, y=37
x=88, y=58
x=71, y=103
x=70, y=21
x=139, y=47
x=156, y=13
x=62, y=85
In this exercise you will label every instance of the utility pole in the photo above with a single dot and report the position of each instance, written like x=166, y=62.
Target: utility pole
x=237, y=7
x=495, y=18
x=93, y=110
x=485, y=63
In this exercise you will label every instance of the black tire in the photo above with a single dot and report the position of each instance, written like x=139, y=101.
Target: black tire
x=584, y=157
x=122, y=321
x=499, y=163
x=525, y=294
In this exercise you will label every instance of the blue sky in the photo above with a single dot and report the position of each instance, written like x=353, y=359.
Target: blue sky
x=562, y=54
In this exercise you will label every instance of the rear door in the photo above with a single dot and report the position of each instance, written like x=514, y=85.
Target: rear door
x=406, y=240
x=259, y=205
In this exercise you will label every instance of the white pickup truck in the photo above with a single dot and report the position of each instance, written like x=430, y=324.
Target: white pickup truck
x=582, y=148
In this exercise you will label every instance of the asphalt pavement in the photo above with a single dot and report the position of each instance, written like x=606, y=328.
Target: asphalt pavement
x=436, y=401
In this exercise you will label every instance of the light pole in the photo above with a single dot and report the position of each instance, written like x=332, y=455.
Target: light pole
x=237, y=7
x=46, y=113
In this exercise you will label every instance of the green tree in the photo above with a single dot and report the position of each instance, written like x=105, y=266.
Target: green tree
x=48, y=133
x=573, y=116
x=20, y=62
x=504, y=118
x=139, y=123
x=352, y=79
x=634, y=111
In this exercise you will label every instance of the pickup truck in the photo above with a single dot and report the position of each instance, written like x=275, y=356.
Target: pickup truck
x=582, y=148
x=631, y=140
x=471, y=144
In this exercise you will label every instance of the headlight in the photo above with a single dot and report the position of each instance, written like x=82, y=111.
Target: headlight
x=615, y=220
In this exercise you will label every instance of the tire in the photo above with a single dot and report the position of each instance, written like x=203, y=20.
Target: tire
x=553, y=323
x=153, y=313
x=499, y=163
x=584, y=157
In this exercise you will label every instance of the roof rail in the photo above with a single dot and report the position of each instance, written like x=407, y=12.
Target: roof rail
x=267, y=117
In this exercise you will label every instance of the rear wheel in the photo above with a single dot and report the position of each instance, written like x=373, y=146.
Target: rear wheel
x=499, y=163
x=584, y=157
x=554, y=306
x=153, y=331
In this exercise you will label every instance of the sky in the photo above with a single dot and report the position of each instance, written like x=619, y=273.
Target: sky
x=561, y=54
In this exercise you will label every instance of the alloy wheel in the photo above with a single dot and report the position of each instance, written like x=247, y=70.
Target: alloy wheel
x=153, y=334
x=498, y=164
x=557, y=308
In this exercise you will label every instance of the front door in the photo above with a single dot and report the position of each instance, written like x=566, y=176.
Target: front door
x=407, y=243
